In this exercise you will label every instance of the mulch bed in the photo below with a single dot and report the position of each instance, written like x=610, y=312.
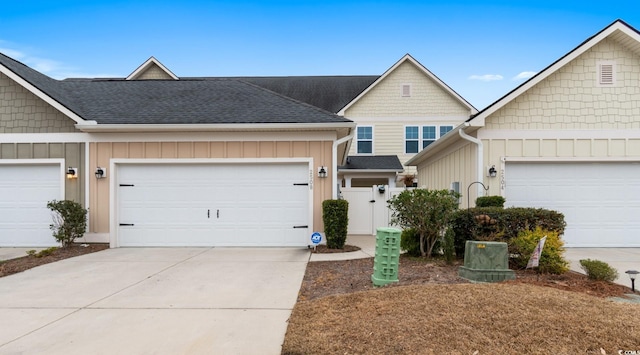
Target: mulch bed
x=13, y=266
x=323, y=249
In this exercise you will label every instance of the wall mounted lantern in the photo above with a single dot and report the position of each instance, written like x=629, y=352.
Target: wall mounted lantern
x=322, y=172
x=492, y=172
x=632, y=275
x=381, y=189
x=101, y=173
x=72, y=173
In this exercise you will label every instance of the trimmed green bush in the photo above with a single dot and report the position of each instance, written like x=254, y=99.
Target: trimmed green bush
x=336, y=220
x=448, y=246
x=551, y=261
x=478, y=224
x=410, y=242
x=598, y=270
x=490, y=201
x=69, y=221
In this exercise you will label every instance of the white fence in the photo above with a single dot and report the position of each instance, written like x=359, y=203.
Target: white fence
x=368, y=208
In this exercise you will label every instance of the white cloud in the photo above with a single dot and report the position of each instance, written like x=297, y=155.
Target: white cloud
x=486, y=77
x=524, y=75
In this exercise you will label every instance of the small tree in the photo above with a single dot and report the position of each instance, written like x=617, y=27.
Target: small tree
x=427, y=211
x=69, y=221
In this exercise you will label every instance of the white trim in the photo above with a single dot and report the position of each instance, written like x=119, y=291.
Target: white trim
x=454, y=120
x=558, y=134
x=41, y=94
x=114, y=241
x=87, y=175
x=334, y=160
x=365, y=171
x=54, y=161
x=212, y=127
x=327, y=135
x=420, y=67
x=616, y=26
x=144, y=66
x=373, y=136
x=569, y=159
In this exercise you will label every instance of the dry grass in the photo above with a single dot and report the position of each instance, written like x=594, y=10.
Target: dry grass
x=505, y=318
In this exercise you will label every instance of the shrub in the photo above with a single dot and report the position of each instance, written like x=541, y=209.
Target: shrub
x=44, y=252
x=551, y=260
x=598, y=270
x=69, y=221
x=336, y=219
x=410, y=242
x=490, y=201
x=509, y=222
x=427, y=211
x=448, y=246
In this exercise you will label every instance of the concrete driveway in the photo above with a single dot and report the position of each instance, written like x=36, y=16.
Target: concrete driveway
x=153, y=301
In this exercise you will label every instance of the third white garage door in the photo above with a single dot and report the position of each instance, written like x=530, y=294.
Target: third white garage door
x=213, y=204
x=600, y=201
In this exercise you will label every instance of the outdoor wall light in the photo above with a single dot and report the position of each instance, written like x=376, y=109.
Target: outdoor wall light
x=632, y=275
x=492, y=172
x=101, y=173
x=381, y=189
x=72, y=173
x=322, y=172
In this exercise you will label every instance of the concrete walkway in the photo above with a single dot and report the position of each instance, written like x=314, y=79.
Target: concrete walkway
x=153, y=301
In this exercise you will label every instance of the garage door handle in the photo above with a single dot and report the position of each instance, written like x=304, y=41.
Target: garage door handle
x=296, y=227
x=127, y=224
x=208, y=213
x=372, y=201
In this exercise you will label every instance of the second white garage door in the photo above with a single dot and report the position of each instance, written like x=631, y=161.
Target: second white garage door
x=600, y=201
x=213, y=204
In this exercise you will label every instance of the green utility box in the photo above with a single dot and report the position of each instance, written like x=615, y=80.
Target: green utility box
x=486, y=262
x=385, y=263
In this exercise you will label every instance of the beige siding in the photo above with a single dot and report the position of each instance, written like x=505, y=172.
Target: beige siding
x=427, y=97
x=571, y=99
x=72, y=153
x=101, y=154
x=23, y=112
x=154, y=72
x=455, y=164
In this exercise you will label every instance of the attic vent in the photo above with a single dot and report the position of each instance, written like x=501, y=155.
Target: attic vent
x=606, y=73
x=406, y=90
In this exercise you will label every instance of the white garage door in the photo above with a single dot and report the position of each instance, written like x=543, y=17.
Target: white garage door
x=600, y=201
x=213, y=205
x=24, y=193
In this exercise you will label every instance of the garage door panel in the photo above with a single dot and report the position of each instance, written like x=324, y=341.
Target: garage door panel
x=600, y=201
x=25, y=190
x=248, y=204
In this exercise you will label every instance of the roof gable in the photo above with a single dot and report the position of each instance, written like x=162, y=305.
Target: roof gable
x=152, y=69
x=619, y=31
x=409, y=59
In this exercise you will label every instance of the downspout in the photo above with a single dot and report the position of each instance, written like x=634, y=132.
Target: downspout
x=479, y=157
x=334, y=159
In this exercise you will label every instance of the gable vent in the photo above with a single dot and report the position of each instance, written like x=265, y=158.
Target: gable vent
x=606, y=73
x=406, y=90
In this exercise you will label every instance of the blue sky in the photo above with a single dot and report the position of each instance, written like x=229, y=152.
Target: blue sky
x=482, y=49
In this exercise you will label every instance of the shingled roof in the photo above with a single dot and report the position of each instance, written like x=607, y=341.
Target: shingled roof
x=373, y=162
x=193, y=100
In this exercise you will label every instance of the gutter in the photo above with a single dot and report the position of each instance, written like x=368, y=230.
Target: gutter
x=479, y=155
x=334, y=160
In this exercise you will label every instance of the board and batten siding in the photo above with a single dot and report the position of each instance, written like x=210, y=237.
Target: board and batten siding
x=454, y=164
x=102, y=153
x=72, y=153
x=23, y=112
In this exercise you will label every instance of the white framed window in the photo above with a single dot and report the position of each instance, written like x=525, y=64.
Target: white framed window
x=406, y=90
x=364, y=140
x=606, y=70
x=419, y=137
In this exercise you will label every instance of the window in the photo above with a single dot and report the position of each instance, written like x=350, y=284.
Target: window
x=364, y=140
x=411, y=139
x=417, y=137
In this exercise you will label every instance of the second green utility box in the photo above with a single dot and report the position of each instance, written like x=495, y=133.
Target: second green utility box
x=486, y=262
x=385, y=263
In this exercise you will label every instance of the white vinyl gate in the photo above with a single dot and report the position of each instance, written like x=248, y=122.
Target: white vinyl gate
x=368, y=209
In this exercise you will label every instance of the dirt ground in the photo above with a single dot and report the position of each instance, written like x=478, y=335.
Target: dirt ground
x=433, y=311
x=26, y=262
